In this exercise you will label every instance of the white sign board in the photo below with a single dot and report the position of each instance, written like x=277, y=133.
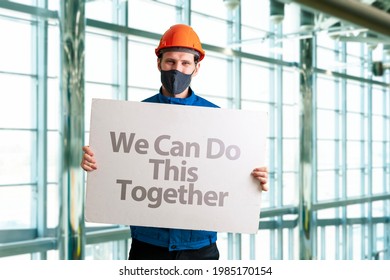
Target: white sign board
x=175, y=166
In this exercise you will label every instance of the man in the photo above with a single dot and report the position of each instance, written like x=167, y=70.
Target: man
x=179, y=54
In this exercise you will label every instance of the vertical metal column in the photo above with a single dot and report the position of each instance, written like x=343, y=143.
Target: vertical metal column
x=306, y=150
x=234, y=65
x=121, y=50
x=234, y=94
x=41, y=54
x=72, y=231
x=343, y=166
x=276, y=145
x=183, y=13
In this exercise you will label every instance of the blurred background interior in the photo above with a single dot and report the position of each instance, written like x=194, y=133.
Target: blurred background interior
x=319, y=68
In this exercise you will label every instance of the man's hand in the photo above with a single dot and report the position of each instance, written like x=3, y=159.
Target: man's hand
x=261, y=174
x=88, y=162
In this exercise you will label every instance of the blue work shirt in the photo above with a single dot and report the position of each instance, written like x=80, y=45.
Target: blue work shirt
x=176, y=239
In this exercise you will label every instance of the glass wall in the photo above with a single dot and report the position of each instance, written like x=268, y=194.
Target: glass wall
x=253, y=63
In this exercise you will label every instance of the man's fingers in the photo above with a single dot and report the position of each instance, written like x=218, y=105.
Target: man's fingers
x=88, y=166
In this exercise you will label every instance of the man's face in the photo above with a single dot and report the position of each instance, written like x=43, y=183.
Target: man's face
x=180, y=61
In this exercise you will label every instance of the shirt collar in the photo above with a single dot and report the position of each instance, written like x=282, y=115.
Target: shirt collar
x=180, y=101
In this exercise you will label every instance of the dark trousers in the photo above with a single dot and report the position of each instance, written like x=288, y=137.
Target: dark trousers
x=145, y=251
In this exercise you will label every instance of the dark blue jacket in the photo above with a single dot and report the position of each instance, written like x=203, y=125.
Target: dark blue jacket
x=176, y=239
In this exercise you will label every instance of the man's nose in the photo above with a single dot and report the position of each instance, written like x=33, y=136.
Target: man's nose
x=177, y=67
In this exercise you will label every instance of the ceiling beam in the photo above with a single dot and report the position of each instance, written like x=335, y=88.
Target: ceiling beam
x=354, y=12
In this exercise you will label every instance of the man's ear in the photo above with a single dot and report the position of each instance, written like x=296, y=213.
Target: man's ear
x=159, y=64
x=197, y=66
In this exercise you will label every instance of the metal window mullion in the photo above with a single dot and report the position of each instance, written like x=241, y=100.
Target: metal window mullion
x=384, y=157
x=370, y=232
x=349, y=246
x=314, y=195
x=238, y=246
x=34, y=145
x=272, y=165
x=386, y=168
x=374, y=250
x=363, y=126
x=337, y=179
x=252, y=247
x=343, y=115
x=229, y=74
x=276, y=98
x=230, y=245
x=291, y=242
x=323, y=238
x=121, y=51
x=365, y=248
x=234, y=63
x=386, y=228
x=234, y=90
x=40, y=51
x=337, y=171
x=273, y=160
x=183, y=11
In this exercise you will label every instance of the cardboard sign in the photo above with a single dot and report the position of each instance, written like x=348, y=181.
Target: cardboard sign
x=175, y=166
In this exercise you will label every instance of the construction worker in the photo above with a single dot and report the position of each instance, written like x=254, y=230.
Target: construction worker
x=179, y=54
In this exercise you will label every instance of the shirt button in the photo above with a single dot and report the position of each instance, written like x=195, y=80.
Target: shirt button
x=173, y=247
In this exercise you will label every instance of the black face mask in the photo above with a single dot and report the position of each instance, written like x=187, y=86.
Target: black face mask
x=174, y=81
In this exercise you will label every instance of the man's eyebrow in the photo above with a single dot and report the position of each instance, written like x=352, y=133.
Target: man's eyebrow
x=178, y=60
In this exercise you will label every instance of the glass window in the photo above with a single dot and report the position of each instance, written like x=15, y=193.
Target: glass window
x=18, y=109
x=53, y=49
x=255, y=24
x=290, y=122
x=378, y=101
x=202, y=24
x=354, y=127
x=210, y=17
x=327, y=124
x=327, y=96
x=212, y=78
x=354, y=97
x=100, y=10
x=327, y=59
x=163, y=15
x=17, y=157
x=142, y=66
x=326, y=188
x=354, y=154
x=378, y=128
x=255, y=82
x=53, y=205
x=54, y=103
x=15, y=52
x=98, y=60
x=290, y=188
x=354, y=183
x=354, y=59
x=290, y=87
x=16, y=207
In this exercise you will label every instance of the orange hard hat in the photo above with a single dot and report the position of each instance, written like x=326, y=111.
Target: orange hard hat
x=181, y=36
